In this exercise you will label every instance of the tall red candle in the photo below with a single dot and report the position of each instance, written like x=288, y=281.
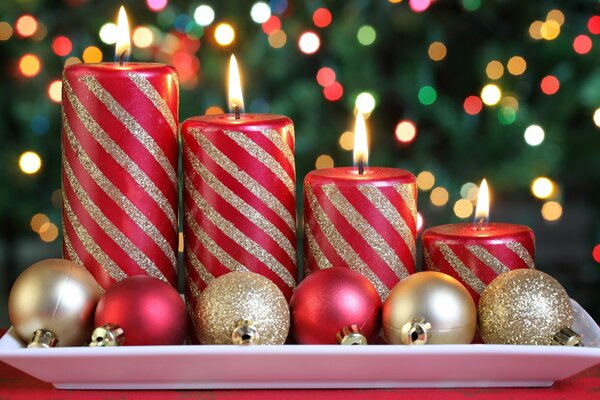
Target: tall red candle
x=476, y=253
x=239, y=199
x=119, y=169
x=366, y=222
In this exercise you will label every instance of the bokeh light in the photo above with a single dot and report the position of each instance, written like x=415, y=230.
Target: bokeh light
x=582, y=44
x=593, y=25
x=278, y=6
x=425, y=180
x=365, y=102
x=108, y=33
x=439, y=196
x=494, y=69
x=204, y=15
x=471, y=5
x=550, y=30
x=405, y=131
x=26, y=25
x=510, y=102
x=472, y=105
x=535, y=30
x=272, y=24
x=324, y=161
x=224, y=34
x=596, y=253
x=62, y=46
x=469, y=191
x=463, y=208
x=427, y=95
x=156, y=5
x=92, y=54
x=37, y=221
x=30, y=65
x=516, y=65
x=277, y=39
x=260, y=12
x=333, y=92
x=71, y=61
x=506, y=115
x=556, y=16
x=552, y=211
x=437, y=51
x=48, y=232
x=420, y=221
x=325, y=76
x=322, y=17
x=143, y=37
x=542, y=187
x=419, y=5
x=6, y=31
x=214, y=110
x=491, y=94
x=550, y=85
x=347, y=140
x=55, y=91
x=309, y=42
x=534, y=135
x=30, y=162
x=366, y=35
x=597, y=117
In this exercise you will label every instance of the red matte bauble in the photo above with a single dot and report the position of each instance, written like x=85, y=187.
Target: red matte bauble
x=150, y=311
x=329, y=300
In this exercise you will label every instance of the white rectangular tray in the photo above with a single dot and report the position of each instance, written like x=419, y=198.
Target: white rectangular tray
x=304, y=366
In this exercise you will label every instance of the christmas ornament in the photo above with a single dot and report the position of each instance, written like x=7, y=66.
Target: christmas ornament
x=241, y=308
x=140, y=311
x=52, y=304
x=335, y=305
x=526, y=307
x=429, y=308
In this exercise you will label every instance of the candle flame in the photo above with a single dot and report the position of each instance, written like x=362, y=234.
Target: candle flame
x=236, y=100
x=482, y=211
x=361, y=148
x=123, y=47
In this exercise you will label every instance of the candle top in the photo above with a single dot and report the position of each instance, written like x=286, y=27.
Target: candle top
x=470, y=230
x=381, y=176
x=227, y=121
x=112, y=66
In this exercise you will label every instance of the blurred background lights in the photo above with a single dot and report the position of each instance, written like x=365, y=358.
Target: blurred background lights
x=325, y=76
x=26, y=25
x=260, y=12
x=463, y=208
x=472, y=105
x=71, y=61
x=278, y=6
x=593, y=25
x=420, y=221
x=552, y=211
x=48, y=232
x=213, y=110
x=596, y=253
x=556, y=16
x=516, y=65
x=550, y=85
x=419, y=5
x=272, y=24
x=425, y=180
x=491, y=94
x=204, y=15
x=366, y=35
x=471, y=5
x=494, y=69
x=597, y=117
x=534, y=135
x=309, y=42
x=535, y=30
x=582, y=44
x=469, y=191
x=324, y=161
x=108, y=33
x=347, y=140
x=5, y=31
x=437, y=51
x=156, y=5
x=30, y=162
x=542, y=187
x=224, y=34
x=427, y=95
x=37, y=221
x=506, y=115
x=92, y=54
x=510, y=102
x=62, y=46
x=405, y=131
x=55, y=91
x=333, y=92
x=365, y=102
x=550, y=30
x=322, y=17
x=277, y=39
x=439, y=196
x=143, y=37
x=30, y=65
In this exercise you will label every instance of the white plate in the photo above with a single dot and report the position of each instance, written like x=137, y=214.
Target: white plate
x=297, y=366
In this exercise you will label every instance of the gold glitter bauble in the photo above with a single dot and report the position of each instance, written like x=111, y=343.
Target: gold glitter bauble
x=230, y=300
x=523, y=306
x=429, y=307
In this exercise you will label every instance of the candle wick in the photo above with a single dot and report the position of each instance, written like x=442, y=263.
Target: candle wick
x=361, y=167
x=236, y=111
x=481, y=224
x=121, y=58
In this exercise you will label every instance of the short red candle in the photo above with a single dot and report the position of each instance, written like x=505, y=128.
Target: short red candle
x=476, y=255
x=366, y=222
x=239, y=199
x=119, y=169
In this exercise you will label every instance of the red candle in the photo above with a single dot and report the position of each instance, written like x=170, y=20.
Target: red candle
x=239, y=197
x=363, y=221
x=119, y=169
x=476, y=253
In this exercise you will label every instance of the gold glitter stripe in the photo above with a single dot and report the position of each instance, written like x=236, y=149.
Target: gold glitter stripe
x=277, y=139
x=200, y=268
x=131, y=124
x=213, y=248
x=315, y=250
x=522, y=253
x=241, y=176
x=109, y=228
x=463, y=271
x=69, y=246
x=240, y=238
x=118, y=197
x=366, y=231
x=91, y=246
x=246, y=209
x=161, y=105
x=407, y=194
x=387, y=209
x=264, y=157
x=429, y=264
x=488, y=258
x=119, y=155
x=343, y=249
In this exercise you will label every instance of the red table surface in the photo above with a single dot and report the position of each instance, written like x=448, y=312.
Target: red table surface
x=15, y=384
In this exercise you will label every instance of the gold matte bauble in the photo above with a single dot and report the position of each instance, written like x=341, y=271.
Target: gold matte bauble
x=54, y=295
x=242, y=308
x=429, y=308
x=524, y=306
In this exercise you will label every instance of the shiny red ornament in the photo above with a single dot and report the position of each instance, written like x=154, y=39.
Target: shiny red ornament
x=150, y=311
x=331, y=299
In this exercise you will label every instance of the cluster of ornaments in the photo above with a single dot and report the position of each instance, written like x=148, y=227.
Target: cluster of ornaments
x=58, y=303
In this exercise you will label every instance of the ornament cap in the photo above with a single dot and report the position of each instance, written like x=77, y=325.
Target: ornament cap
x=416, y=331
x=351, y=336
x=567, y=337
x=107, y=335
x=245, y=333
x=43, y=339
